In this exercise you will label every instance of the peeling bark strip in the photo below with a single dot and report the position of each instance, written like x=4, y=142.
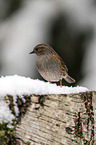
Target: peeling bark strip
x=59, y=120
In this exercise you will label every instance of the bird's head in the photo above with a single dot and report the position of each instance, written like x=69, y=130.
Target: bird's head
x=41, y=49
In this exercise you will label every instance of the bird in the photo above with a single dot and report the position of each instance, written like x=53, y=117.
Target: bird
x=50, y=65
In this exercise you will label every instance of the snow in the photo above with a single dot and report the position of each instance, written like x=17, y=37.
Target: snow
x=20, y=86
x=5, y=113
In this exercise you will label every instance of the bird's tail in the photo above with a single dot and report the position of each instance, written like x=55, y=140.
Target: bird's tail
x=69, y=79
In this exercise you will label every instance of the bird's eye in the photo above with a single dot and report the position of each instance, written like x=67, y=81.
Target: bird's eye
x=36, y=49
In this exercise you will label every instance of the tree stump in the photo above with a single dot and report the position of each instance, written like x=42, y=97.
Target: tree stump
x=58, y=120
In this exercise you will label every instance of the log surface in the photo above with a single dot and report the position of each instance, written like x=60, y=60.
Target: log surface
x=60, y=120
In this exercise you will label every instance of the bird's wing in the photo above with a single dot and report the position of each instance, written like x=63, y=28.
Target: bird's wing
x=63, y=65
x=60, y=60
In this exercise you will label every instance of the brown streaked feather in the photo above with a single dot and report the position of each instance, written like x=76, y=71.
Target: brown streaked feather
x=56, y=56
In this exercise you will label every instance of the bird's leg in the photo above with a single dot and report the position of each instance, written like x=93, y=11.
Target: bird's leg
x=61, y=83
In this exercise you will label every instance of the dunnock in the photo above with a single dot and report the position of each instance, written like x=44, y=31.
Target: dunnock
x=50, y=65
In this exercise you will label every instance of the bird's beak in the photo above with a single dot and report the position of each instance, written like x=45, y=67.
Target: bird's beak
x=31, y=52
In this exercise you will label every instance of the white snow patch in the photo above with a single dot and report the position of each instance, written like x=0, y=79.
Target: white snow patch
x=19, y=86
x=5, y=113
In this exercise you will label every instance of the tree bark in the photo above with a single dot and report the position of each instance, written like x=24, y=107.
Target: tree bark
x=59, y=120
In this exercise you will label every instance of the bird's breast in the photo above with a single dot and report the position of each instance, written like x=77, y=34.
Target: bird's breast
x=48, y=68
